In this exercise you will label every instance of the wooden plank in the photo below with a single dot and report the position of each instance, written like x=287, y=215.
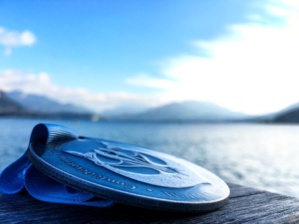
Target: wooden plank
x=244, y=205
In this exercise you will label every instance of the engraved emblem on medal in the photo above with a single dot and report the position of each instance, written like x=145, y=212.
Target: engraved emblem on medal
x=141, y=166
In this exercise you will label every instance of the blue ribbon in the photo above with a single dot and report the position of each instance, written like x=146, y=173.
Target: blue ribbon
x=21, y=175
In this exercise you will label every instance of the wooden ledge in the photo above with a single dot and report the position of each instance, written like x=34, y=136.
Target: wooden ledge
x=244, y=205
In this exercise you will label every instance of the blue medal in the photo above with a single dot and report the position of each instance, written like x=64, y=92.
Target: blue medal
x=79, y=169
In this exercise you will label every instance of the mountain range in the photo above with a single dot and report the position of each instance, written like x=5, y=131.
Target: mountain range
x=288, y=115
x=42, y=104
x=8, y=106
x=187, y=111
x=16, y=103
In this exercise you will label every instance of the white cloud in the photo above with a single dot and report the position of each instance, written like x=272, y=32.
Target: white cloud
x=253, y=69
x=42, y=84
x=10, y=39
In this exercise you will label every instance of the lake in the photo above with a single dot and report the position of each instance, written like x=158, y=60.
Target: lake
x=263, y=156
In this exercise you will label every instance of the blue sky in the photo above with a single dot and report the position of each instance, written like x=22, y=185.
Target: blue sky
x=108, y=54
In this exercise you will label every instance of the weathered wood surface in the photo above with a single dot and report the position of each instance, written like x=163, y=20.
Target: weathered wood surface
x=245, y=205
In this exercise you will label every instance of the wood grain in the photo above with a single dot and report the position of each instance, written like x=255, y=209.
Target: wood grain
x=245, y=205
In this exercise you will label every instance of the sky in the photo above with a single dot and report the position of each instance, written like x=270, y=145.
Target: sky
x=239, y=54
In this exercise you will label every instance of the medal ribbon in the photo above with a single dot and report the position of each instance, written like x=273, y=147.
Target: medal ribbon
x=22, y=175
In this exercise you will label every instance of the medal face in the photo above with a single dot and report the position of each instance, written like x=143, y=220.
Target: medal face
x=130, y=174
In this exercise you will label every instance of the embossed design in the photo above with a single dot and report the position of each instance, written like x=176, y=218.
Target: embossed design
x=116, y=158
x=145, y=167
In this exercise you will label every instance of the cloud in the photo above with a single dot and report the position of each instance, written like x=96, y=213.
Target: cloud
x=253, y=68
x=10, y=39
x=41, y=83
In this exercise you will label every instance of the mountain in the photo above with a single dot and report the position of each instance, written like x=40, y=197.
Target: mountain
x=41, y=104
x=8, y=106
x=288, y=115
x=188, y=111
x=124, y=111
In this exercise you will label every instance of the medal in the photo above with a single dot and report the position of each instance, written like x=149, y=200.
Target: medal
x=124, y=173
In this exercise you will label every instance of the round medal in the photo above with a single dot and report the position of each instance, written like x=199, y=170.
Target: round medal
x=127, y=173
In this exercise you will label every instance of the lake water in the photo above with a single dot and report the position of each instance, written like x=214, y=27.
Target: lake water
x=257, y=155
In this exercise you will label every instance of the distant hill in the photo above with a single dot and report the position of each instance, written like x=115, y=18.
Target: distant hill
x=288, y=115
x=19, y=104
x=124, y=111
x=188, y=111
x=9, y=106
x=41, y=104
